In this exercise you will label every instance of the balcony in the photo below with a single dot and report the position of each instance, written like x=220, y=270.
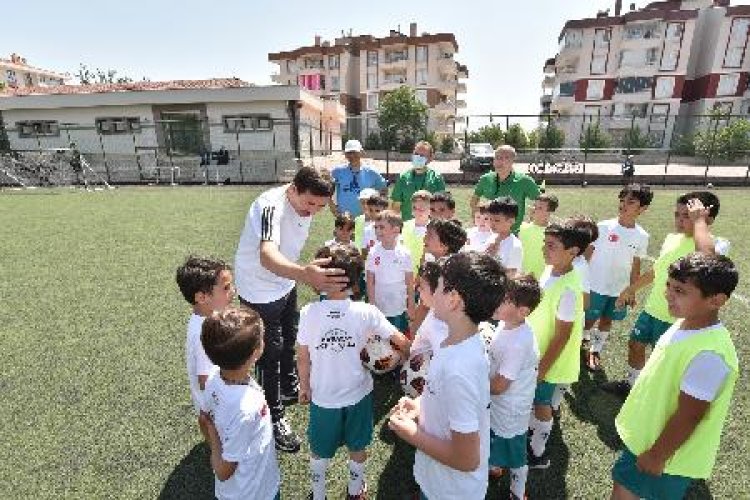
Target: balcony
x=392, y=82
x=394, y=60
x=460, y=103
x=446, y=86
x=276, y=78
x=461, y=88
x=447, y=66
x=446, y=107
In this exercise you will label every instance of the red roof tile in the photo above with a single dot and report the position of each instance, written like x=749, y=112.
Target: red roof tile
x=214, y=83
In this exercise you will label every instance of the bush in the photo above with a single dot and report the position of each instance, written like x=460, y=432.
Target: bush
x=406, y=145
x=550, y=137
x=728, y=143
x=635, y=140
x=516, y=137
x=432, y=139
x=683, y=144
x=373, y=142
x=446, y=145
x=594, y=137
x=489, y=133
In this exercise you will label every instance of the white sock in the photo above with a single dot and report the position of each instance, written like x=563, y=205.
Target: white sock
x=518, y=481
x=598, y=341
x=318, y=468
x=540, y=436
x=532, y=421
x=587, y=334
x=557, y=396
x=632, y=375
x=356, y=477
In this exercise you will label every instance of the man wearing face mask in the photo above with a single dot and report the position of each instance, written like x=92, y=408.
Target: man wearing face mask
x=505, y=181
x=351, y=178
x=419, y=177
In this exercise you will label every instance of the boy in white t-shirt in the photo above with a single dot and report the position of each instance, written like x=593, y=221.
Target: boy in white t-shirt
x=506, y=247
x=207, y=285
x=333, y=380
x=480, y=236
x=235, y=419
x=431, y=332
x=343, y=230
x=449, y=423
x=390, y=274
x=614, y=264
x=514, y=358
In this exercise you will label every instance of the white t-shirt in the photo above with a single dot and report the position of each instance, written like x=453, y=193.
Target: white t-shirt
x=456, y=398
x=514, y=354
x=612, y=260
x=581, y=265
x=369, y=238
x=566, y=310
x=243, y=421
x=430, y=334
x=196, y=359
x=271, y=218
x=335, y=331
x=390, y=268
x=706, y=373
x=510, y=252
x=478, y=240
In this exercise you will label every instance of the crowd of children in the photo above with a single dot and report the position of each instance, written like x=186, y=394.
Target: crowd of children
x=551, y=292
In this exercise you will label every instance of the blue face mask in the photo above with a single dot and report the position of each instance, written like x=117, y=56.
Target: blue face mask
x=418, y=161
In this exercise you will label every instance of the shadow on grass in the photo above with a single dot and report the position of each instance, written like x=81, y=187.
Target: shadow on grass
x=547, y=483
x=590, y=404
x=192, y=478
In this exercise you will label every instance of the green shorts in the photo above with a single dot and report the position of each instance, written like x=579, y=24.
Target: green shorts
x=544, y=393
x=401, y=322
x=647, y=329
x=508, y=452
x=331, y=428
x=664, y=487
x=604, y=306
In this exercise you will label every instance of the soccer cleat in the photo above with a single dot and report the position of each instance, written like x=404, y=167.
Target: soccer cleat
x=362, y=495
x=540, y=463
x=285, y=438
x=290, y=397
x=618, y=387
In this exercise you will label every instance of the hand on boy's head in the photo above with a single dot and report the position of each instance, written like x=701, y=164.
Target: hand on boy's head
x=325, y=279
x=696, y=210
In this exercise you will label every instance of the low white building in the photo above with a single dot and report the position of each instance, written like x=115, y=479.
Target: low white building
x=130, y=132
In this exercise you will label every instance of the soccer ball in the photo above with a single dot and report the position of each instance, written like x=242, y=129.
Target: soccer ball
x=414, y=374
x=487, y=331
x=379, y=355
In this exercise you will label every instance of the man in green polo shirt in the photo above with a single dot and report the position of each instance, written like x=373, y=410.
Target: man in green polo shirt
x=504, y=181
x=419, y=177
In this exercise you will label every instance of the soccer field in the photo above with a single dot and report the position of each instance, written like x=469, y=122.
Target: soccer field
x=95, y=396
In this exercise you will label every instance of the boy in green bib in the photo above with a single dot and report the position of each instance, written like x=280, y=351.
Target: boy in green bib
x=694, y=213
x=672, y=420
x=531, y=234
x=557, y=323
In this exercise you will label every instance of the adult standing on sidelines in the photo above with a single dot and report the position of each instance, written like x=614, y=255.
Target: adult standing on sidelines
x=352, y=178
x=505, y=181
x=267, y=272
x=419, y=177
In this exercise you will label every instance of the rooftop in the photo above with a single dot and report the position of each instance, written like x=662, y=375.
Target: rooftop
x=17, y=62
x=213, y=83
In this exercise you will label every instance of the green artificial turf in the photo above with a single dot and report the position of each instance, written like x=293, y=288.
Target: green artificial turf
x=92, y=371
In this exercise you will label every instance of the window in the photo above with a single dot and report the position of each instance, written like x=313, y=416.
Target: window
x=728, y=84
x=669, y=58
x=421, y=77
x=291, y=66
x=572, y=39
x=659, y=113
x=599, y=64
x=421, y=53
x=28, y=79
x=396, y=56
x=422, y=95
x=246, y=123
x=725, y=108
x=674, y=31
x=372, y=80
x=335, y=83
x=733, y=57
x=372, y=101
x=664, y=88
x=737, y=40
x=333, y=61
x=397, y=78
x=10, y=76
x=634, y=84
x=629, y=110
x=119, y=125
x=652, y=56
x=38, y=128
x=601, y=39
x=645, y=31
x=314, y=63
x=372, y=57
x=566, y=89
x=595, y=90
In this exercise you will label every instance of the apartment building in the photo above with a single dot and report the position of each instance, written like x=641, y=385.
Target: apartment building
x=653, y=68
x=359, y=70
x=16, y=72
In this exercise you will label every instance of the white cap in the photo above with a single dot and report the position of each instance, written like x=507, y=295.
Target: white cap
x=353, y=146
x=368, y=193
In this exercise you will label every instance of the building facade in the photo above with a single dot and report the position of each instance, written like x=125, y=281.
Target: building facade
x=655, y=69
x=359, y=70
x=15, y=72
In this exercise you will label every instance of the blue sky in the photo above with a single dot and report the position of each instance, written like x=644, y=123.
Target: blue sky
x=503, y=43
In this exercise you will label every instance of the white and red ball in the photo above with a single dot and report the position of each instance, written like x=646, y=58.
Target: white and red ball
x=414, y=374
x=379, y=355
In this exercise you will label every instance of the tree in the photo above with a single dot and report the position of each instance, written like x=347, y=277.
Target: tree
x=446, y=146
x=489, y=133
x=516, y=137
x=373, y=142
x=593, y=137
x=728, y=143
x=635, y=140
x=549, y=137
x=4, y=141
x=402, y=119
x=87, y=76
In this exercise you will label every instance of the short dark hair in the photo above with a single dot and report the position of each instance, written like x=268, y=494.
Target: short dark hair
x=482, y=206
x=230, y=337
x=587, y=223
x=570, y=235
x=393, y=218
x=504, y=205
x=443, y=197
x=706, y=197
x=377, y=200
x=479, y=279
x=640, y=192
x=711, y=274
x=345, y=257
x=449, y=232
x=551, y=201
x=199, y=274
x=344, y=220
x=430, y=272
x=313, y=180
x=524, y=291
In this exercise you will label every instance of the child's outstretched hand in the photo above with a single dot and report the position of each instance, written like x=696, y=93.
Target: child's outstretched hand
x=404, y=426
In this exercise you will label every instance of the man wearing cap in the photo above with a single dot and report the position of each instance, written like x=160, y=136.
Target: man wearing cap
x=419, y=177
x=352, y=178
